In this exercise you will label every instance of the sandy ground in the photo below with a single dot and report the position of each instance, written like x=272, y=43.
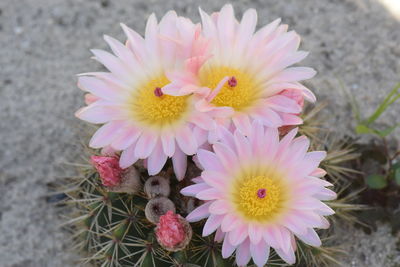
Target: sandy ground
x=354, y=44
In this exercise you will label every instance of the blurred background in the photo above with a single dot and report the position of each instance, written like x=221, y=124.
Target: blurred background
x=354, y=45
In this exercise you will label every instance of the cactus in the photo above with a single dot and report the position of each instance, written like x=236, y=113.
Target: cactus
x=118, y=229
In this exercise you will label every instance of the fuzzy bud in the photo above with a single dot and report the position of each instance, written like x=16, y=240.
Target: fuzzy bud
x=114, y=178
x=156, y=207
x=156, y=186
x=109, y=170
x=173, y=232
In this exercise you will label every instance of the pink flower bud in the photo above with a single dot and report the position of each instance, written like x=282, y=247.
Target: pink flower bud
x=295, y=95
x=109, y=170
x=173, y=232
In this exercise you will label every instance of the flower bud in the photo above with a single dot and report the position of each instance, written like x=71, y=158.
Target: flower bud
x=114, y=178
x=156, y=207
x=173, y=232
x=157, y=186
x=108, y=169
x=297, y=96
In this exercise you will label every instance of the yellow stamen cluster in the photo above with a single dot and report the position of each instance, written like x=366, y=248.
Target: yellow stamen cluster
x=255, y=206
x=241, y=96
x=157, y=110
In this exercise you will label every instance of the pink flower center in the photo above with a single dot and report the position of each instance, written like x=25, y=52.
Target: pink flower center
x=232, y=82
x=158, y=92
x=261, y=193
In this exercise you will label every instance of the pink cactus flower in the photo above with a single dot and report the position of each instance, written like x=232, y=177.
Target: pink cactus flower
x=260, y=193
x=109, y=170
x=137, y=118
x=173, y=232
x=243, y=78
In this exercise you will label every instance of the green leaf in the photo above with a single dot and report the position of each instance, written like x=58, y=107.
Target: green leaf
x=390, y=99
x=376, y=181
x=362, y=129
x=388, y=131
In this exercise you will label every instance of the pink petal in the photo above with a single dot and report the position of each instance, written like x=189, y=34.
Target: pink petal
x=227, y=247
x=289, y=257
x=197, y=180
x=168, y=143
x=243, y=255
x=179, y=160
x=156, y=160
x=242, y=144
x=286, y=141
x=194, y=189
x=214, y=179
x=200, y=135
x=230, y=222
x=209, y=28
x=99, y=113
x=226, y=137
x=209, y=194
x=127, y=138
x=268, y=117
x=112, y=63
x=212, y=223
x=257, y=138
x=98, y=88
x=325, y=194
x=219, y=235
x=226, y=24
x=225, y=155
x=104, y=135
x=219, y=207
x=291, y=119
x=128, y=157
x=294, y=74
x=203, y=120
x=209, y=161
x=294, y=225
x=199, y=213
x=145, y=145
x=325, y=224
x=255, y=233
x=310, y=238
x=90, y=98
x=238, y=235
x=118, y=48
x=246, y=28
x=310, y=162
x=136, y=41
x=186, y=140
x=271, y=142
x=242, y=122
x=318, y=172
x=151, y=38
x=109, y=151
x=260, y=253
x=283, y=104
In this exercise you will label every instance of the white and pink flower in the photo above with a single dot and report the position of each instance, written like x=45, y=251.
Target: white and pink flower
x=260, y=193
x=138, y=118
x=247, y=72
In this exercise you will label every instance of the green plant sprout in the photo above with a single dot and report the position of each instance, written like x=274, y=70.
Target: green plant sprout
x=366, y=126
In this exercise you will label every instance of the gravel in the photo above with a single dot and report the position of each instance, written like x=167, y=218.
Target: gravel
x=44, y=43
